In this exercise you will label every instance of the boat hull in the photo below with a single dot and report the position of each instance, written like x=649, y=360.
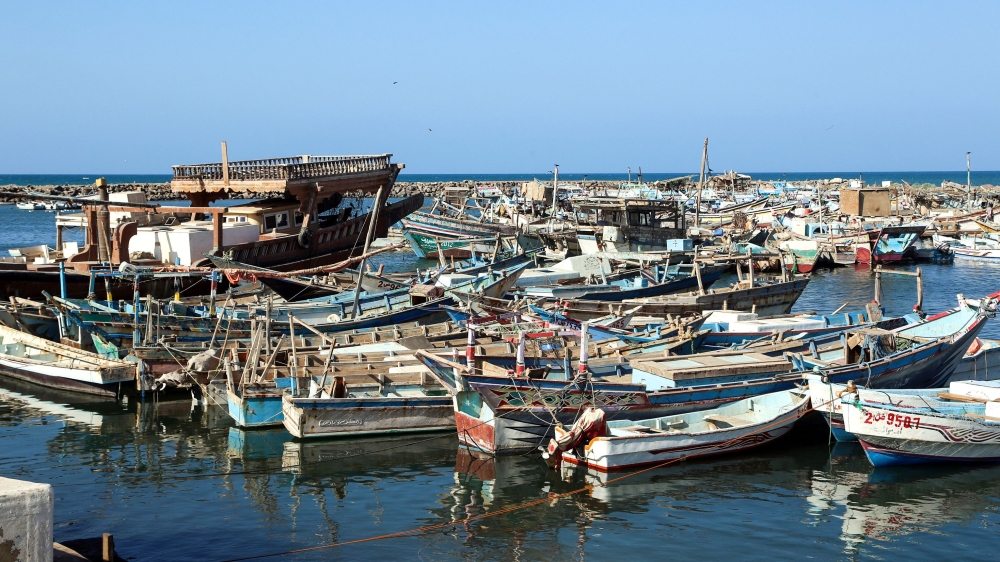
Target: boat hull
x=352, y=417
x=255, y=409
x=619, y=453
x=110, y=390
x=894, y=437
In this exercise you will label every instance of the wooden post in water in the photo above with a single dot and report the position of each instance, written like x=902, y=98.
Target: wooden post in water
x=701, y=186
x=878, y=286
x=107, y=547
x=368, y=242
x=920, y=290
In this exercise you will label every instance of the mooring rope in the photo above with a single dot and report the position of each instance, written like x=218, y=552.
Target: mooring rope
x=510, y=509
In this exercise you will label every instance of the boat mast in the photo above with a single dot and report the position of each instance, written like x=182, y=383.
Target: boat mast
x=555, y=190
x=701, y=186
x=968, y=177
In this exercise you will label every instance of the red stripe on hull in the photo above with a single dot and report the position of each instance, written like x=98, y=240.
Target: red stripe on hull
x=472, y=432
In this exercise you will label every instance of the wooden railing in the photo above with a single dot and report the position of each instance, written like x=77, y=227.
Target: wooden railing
x=296, y=167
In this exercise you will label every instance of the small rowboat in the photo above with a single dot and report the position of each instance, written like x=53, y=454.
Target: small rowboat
x=735, y=427
x=977, y=254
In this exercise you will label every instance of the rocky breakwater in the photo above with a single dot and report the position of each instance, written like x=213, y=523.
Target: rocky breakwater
x=153, y=191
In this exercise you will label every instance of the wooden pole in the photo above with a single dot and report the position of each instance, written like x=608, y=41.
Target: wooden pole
x=750, y=265
x=555, y=191
x=701, y=186
x=878, y=285
x=697, y=274
x=225, y=164
x=149, y=320
x=368, y=242
x=294, y=366
x=920, y=289
x=968, y=176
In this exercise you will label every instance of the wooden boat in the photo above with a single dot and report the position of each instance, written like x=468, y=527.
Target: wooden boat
x=735, y=427
x=453, y=228
x=923, y=354
x=765, y=298
x=736, y=329
x=40, y=361
x=345, y=408
x=375, y=311
x=974, y=366
x=432, y=247
x=506, y=414
x=639, y=286
x=962, y=425
x=888, y=244
x=989, y=255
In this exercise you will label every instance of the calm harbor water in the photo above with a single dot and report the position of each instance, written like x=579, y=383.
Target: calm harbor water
x=174, y=482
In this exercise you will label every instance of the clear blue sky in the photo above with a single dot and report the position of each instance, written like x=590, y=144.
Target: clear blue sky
x=507, y=87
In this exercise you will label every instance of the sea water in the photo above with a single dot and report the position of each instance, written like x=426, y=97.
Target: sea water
x=177, y=482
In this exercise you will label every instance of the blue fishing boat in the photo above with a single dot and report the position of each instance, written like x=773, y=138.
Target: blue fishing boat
x=676, y=279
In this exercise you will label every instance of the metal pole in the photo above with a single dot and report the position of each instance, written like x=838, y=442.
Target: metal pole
x=62, y=279
x=701, y=186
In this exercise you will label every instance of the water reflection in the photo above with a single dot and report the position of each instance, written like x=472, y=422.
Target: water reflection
x=122, y=468
x=882, y=504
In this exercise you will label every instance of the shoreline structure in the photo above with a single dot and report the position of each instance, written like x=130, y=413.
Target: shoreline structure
x=162, y=192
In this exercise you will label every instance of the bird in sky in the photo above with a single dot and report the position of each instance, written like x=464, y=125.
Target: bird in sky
x=428, y=128
x=395, y=82
x=830, y=127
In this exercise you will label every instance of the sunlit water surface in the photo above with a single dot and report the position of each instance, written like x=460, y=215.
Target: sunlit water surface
x=176, y=483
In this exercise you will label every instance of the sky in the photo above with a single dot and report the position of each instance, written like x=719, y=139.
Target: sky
x=501, y=87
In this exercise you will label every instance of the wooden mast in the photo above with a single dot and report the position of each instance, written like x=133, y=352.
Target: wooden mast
x=701, y=186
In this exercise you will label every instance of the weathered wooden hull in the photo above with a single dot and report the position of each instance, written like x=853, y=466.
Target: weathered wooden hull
x=33, y=359
x=60, y=381
x=30, y=284
x=765, y=300
x=260, y=408
x=327, y=245
x=353, y=417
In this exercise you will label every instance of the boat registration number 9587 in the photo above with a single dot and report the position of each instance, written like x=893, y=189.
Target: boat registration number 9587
x=894, y=420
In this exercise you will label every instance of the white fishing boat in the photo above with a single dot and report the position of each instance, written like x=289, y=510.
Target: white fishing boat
x=734, y=427
x=40, y=361
x=825, y=398
x=992, y=255
x=31, y=206
x=960, y=424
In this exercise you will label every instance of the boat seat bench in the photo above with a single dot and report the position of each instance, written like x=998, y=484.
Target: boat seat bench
x=729, y=420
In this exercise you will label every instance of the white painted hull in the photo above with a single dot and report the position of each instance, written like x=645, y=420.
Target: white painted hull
x=907, y=436
x=622, y=452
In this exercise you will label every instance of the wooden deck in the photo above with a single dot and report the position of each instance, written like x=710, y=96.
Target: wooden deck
x=297, y=175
